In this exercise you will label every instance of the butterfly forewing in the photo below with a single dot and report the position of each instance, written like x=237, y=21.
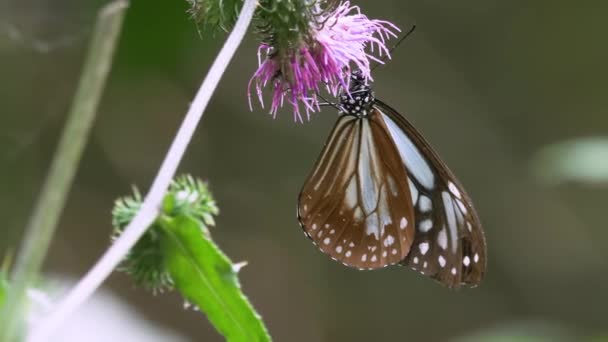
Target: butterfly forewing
x=354, y=205
x=449, y=243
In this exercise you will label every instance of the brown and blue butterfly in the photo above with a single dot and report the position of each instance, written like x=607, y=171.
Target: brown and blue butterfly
x=379, y=195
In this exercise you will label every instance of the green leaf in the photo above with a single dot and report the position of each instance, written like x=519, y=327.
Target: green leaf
x=521, y=331
x=207, y=278
x=3, y=288
x=4, y=269
x=583, y=160
x=216, y=14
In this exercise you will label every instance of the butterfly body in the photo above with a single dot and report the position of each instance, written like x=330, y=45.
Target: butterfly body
x=379, y=195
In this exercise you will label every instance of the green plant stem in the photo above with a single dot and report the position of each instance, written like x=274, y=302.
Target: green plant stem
x=43, y=222
x=149, y=209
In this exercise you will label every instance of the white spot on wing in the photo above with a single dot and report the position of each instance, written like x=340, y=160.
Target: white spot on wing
x=326, y=241
x=466, y=260
x=364, y=257
x=441, y=260
x=424, y=203
x=314, y=226
x=476, y=257
x=403, y=223
x=374, y=258
x=424, y=247
x=453, y=270
x=348, y=254
x=415, y=260
x=389, y=240
x=454, y=189
x=339, y=249
x=425, y=225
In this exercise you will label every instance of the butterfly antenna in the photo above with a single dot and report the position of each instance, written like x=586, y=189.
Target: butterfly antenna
x=390, y=51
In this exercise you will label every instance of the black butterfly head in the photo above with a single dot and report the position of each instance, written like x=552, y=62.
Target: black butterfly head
x=356, y=77
x=359, y=98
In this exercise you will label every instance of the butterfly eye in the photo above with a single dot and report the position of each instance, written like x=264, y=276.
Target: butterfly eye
x=379, y=195
x=357, y=76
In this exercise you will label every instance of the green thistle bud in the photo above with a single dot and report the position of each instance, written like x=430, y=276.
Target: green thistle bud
x=215, y=14
x=145, y=262
x=285, y=24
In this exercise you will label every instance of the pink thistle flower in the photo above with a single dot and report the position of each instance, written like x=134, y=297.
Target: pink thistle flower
x=337, y=44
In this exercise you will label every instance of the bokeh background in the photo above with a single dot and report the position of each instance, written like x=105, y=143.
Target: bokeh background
x=490, y=83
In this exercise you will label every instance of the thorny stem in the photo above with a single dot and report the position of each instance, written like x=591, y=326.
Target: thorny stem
x=42, y=224
x=151, y=205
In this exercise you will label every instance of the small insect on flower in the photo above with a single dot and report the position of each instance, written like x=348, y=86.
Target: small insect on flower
x=337, y=41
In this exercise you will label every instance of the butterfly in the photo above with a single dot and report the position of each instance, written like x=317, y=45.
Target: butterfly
x=379, y=195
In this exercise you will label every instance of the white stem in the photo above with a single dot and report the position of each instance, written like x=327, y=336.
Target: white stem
x=151, y=205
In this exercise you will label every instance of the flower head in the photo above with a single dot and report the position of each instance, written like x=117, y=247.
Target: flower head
x=336, y=43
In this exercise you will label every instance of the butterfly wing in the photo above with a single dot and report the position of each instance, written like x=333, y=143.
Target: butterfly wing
x=449, y=243
x=354, y=206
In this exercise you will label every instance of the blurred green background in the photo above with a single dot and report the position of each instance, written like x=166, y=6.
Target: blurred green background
x=488, y=82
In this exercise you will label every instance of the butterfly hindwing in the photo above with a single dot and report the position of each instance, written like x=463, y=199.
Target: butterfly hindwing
x=354, y=206
x=449, y=243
